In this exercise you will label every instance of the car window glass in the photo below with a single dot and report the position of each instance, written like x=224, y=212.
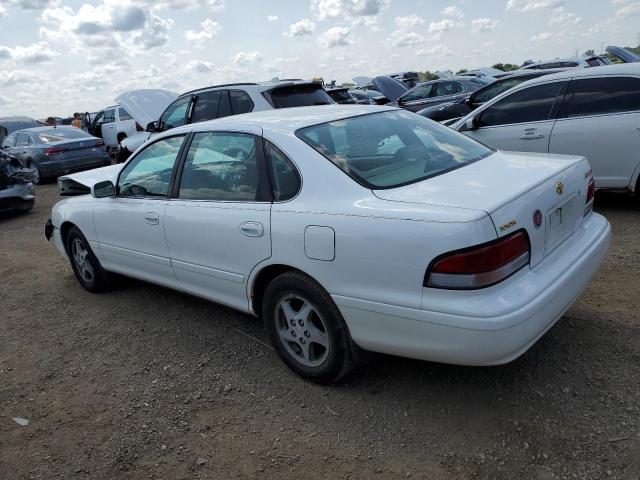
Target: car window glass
x=598, y=96
x=531, y=104
x=417, y=93
x=58, y=134
x=175, y=114
x=206, y=106
x=23, y=140
x=240, y=102
x=124, y=115
x=285, y=177
x=10, y=141
x=149, y=173
x=224, y=110
x=495, y=89
x=109, y=116
x=221, y=166
x=302, y=95
x=447, y=88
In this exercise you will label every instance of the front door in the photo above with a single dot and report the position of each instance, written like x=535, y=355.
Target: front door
x=130, y=226
x=218, y=223
x=109, y=131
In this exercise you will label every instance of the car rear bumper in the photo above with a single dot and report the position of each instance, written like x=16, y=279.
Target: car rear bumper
x=490, y=326
x=54, y=168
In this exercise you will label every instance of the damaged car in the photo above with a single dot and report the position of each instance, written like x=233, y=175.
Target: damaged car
x=17, y=193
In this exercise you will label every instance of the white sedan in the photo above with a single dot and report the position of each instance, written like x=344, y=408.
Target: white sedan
x=345, y=228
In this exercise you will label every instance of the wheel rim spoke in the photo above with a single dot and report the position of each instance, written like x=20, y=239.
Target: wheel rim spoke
x=81, y=259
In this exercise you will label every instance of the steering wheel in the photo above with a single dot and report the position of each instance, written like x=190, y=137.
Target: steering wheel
x=236, y=152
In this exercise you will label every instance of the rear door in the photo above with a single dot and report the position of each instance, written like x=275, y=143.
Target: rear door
x=218, y=221
x=126, y=123
x=522, y=121
x=600, y=119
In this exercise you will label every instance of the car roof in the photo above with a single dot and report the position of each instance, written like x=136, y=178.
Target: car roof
x=48, y=127
x=620, y=69
x=533, y=71
x=291, y=119
x=262, y=86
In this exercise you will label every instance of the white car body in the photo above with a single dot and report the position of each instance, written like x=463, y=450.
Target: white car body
x=369, y=249
x=610, y=141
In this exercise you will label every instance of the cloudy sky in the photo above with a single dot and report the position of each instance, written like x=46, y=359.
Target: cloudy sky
x=61, y=56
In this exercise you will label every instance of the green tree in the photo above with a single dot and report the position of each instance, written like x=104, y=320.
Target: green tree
x=426, y=76
x=461, y=71
x=590, y=53
x=506, y=67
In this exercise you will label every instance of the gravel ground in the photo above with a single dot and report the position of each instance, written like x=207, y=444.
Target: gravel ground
x=143, y=383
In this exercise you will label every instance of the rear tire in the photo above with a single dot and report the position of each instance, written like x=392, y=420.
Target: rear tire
x=85, y=264
x=306, y=328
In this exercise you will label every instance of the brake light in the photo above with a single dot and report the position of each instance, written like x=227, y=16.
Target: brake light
x=139, y=128
x=53, y=151
x=99, y=143
x=480, y=266
x=591, y=193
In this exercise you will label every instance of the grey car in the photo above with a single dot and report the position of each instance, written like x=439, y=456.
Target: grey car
x=16, y=188
x=443, y=90
x=52, y=151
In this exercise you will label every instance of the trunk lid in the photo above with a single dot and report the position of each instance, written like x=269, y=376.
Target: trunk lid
x=511, y=188
x=146, y=105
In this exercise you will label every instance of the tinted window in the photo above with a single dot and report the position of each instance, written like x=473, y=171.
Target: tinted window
x=495, y=89
x=531, y=104
x=60, y=134
x=176, y=114
x=340, y=95
x=598, y=96
x=393, y=148
x=285, y=177
x=297, y=96
x=149, y=173
x=417, y=93
x=447, y=88
x=224, y=110
x=124, y=115
x=206, y=107
x=221, y=166
x=240, y=102
x=23, y=140
x=109, y=116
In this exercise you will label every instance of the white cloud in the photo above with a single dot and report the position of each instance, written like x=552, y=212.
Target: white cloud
x=443, y=25
x=245, y=58
x=453, y=11
x=542, y=37
x=282, y=65
x=629, y=10
x=484, y=25
x=199, y=66
x=273, y=18
x=22, y=77
x=564, y=18
x=437, y=51
x=336, y=37
x=210, y=30
x=4, y=100
x=29, y=4
x=527, y=6
x=211, y=5
x=409, y=21
x=327, y=9
x=36, y=53
x=156, y=32
x=406, y=39
x=3, y=12
x=301, y=28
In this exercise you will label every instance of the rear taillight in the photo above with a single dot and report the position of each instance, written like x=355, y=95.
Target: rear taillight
x=99, y=143
x=53, y=151
x=139, y=128
x=591, y=193
x=480, y=266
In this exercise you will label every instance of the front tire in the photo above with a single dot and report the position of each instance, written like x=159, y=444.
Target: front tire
x=85, y=264
x=306, y=328
x=37, y=178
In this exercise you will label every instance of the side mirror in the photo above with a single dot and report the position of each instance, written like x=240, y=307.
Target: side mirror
x=104, y=189
x=152, y=127
x=471, y=123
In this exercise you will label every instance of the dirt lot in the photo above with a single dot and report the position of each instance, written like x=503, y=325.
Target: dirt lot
x=142, y=382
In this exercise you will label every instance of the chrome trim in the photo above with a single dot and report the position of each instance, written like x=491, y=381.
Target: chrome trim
x=456, y=281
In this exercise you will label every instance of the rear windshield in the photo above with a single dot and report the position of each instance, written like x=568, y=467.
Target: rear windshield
x=340, y=95
x=392, y=148
x=297, y=96
x=59, y=134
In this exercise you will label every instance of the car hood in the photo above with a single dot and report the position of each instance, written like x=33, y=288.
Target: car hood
x=389, y=87
x=82, y=182
x=485, y=185
x=623, y=54
x=146, y=105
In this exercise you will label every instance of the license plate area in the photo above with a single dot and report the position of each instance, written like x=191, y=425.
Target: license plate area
x=561, y=221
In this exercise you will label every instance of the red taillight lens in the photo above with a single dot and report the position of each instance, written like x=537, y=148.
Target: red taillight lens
x=480, y=266
x=139, y=128
x=53, y=151
x=99, y=143
x=591, y=193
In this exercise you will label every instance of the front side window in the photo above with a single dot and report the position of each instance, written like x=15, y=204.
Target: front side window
x=109, y=116
x=149, y=173
x=601, y=96
x=240, y=102
x=448, y=88
x=23, y=140
x=533, y=104
x=417, y=93
x=285, y=178
x=392, y=148
x=176, y=114
x=222, y=166
x=124, y=115
x=206, y=106
x=495, y=89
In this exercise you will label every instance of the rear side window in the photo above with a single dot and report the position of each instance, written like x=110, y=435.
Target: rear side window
x=448, y=88
x=285, y=179
x=297, y=96
x=10, y=141
x=124, y=115
x=23, y=140
x=240, y=102
x=533, y=104
x=206, y=107
x=224, y=110
x=601, y=96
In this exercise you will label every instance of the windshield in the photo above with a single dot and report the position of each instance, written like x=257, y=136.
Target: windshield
x=392, y=148
x=297, y=96
x=495, y=89
x=60, y=134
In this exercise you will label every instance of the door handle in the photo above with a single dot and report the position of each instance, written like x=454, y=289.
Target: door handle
x=152, y=218
x=252, y=229
x=531, y=136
